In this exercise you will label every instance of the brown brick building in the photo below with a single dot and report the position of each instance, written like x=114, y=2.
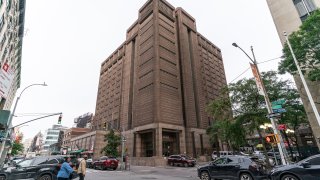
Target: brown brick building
x=157, y=84
x=71, y=133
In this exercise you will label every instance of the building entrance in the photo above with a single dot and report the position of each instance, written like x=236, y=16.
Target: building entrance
x=170, y=143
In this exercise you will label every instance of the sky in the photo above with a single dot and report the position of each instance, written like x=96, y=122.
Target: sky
x=66, y=41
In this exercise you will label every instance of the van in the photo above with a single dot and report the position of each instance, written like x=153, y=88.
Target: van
x=222, y=153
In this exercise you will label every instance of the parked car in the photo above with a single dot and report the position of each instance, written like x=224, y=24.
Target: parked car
x=307, y=169
x=233, y=167
x=214, y=154
x=40, y=168
x=89, y=163
x=106, y=162
x=181, y=160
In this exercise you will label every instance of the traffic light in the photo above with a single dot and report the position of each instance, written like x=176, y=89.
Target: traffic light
x=105, y=125
x=272, y=138
x=59, y=119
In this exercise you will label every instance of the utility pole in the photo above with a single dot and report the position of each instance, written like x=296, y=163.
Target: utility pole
x=313, y=105
x=8, y=130
x=267, y=100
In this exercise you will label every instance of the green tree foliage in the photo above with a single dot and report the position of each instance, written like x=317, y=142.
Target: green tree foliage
x=224, y=127
x=17, y=148
x=113, y=142
x=306, y=45
x=249, y=109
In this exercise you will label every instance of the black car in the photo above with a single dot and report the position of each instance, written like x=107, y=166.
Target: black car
x=307, y=169
x=40, y=168
x=233, y=167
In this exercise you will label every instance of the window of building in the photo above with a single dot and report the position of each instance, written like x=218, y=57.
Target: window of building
x=1, y=20
x=304, y=7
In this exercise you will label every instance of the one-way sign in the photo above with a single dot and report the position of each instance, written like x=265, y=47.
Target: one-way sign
x=282, y=110
x=272, y=115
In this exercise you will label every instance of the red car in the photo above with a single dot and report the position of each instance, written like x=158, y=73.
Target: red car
x=106, y=162
x=181, y=160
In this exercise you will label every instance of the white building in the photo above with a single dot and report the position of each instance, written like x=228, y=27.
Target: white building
x=52, y=135
x=26, y=144
x=11, y=35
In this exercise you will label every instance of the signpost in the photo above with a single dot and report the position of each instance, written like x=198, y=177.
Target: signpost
x=281, y=110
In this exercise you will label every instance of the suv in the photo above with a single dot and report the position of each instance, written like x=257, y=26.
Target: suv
x=233, y=167
x=181, y=160
x=40, y=168
x=106, y=162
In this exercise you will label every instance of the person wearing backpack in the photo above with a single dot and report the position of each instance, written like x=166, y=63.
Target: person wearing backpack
x=65, y=170
x=82, y=167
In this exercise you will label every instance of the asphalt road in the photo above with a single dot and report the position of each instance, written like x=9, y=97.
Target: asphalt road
x=145, y=172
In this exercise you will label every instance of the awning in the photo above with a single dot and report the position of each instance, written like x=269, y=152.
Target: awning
x=77, y=151
x=87, y=152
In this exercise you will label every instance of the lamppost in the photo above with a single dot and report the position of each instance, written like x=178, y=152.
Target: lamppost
x=310, y=98
x=266, y=98
x=9, y=129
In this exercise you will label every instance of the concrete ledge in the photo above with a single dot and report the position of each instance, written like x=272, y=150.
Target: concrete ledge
x=148, y=161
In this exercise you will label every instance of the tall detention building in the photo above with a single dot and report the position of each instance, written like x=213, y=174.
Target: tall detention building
x=288, y=15
x=157, y=84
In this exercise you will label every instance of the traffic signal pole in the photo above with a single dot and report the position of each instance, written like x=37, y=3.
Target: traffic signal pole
x=268, y=104
x=267, y=100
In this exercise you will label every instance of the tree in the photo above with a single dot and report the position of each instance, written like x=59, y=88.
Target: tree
x=17, y=148
x=113, y=142
x=224, y=128
x=306, y=45
x=249, y=109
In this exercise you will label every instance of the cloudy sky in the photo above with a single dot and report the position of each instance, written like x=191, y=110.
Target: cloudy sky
x=66, y=41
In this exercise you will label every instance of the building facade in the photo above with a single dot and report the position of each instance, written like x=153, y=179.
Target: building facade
x=83, y=121
x=71, y=133
x=37, y=143
x=288, y=15
x=52, y=135
x=155, y=87
x=11, y=35
x=90, y=143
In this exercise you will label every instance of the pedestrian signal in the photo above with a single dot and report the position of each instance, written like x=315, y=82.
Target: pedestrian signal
x=272, y=138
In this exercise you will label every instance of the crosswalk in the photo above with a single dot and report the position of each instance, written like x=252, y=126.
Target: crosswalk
x=100, y=171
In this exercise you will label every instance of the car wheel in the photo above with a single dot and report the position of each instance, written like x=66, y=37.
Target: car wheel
x=2, y=177
x=289, y=177
x=114, y=168
x=45, y=177
x=245, y=176
x=205, y=175
x=186, y=165
x=94, y=167
x=171, y=164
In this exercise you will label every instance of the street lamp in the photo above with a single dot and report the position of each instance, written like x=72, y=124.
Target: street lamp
x=8, y=131
x=266, y=98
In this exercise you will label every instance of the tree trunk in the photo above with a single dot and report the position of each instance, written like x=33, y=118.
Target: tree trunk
x=264, y=148
x=287, y=139
x=297, y=144
x=218, y=145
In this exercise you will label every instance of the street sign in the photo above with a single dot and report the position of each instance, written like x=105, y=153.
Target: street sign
x=278, y=102
x=276, y=107
x=272, y=115
x=281, y=110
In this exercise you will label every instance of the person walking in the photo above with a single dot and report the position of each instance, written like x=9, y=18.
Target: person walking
x=65, y=170
x=82, y=167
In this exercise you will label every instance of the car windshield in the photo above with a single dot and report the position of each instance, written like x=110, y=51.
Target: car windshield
x=25, y=163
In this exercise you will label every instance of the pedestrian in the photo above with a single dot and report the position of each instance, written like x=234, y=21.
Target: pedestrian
x=65, y=170
x=82, y=167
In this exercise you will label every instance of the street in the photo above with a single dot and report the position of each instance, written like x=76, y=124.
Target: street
x=145, y=172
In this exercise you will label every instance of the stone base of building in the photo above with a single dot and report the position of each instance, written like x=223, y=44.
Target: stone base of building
x=148, y=161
